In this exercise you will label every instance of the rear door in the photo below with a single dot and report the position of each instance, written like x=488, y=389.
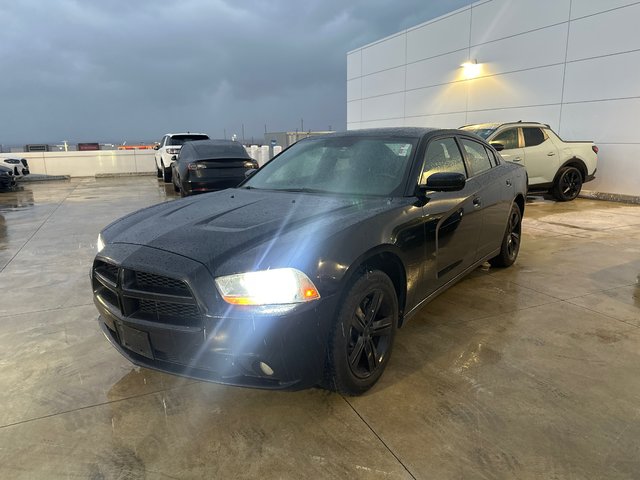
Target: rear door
x=493, y=194
x=452, y=219
x=540, y=155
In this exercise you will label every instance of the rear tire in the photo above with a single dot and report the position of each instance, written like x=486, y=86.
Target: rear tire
x=363, y=333
x=568, y=184
x=511, y=240
x=166, y=174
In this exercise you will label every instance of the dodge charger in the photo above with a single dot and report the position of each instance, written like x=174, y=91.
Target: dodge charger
x=302, y=274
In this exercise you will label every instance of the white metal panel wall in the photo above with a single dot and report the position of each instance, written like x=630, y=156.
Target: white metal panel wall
x=574, y=64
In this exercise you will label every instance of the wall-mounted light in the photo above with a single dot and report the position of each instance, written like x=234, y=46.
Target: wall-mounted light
x=471, y=69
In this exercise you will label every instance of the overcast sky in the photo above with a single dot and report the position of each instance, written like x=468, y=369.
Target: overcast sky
x=115, y=70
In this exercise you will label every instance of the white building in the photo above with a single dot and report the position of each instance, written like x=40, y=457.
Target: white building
x=574, y=64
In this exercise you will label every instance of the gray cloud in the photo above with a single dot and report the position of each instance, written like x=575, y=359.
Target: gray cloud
x=132, y=70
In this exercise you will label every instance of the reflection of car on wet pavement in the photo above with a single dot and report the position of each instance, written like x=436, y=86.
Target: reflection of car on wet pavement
x=7, y=178
x=302, y=274
x=19, y=166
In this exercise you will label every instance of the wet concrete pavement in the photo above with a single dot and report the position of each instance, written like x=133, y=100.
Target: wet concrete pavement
x=528, y=372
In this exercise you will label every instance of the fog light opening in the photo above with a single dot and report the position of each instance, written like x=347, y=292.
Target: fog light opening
x=266, y=369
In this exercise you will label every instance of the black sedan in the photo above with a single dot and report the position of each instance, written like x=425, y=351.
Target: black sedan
x=207, y=165
x=7, y=178
x=302, y=274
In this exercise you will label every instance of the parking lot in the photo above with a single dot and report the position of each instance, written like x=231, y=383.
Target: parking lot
x=527, y=372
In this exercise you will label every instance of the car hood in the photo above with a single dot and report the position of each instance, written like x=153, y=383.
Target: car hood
x=238, y=229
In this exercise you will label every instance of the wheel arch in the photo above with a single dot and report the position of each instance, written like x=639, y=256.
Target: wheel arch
x=521, y=202
x=387, y=261
x=576, y=163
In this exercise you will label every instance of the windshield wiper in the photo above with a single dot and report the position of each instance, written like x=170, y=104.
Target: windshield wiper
x=304, y=190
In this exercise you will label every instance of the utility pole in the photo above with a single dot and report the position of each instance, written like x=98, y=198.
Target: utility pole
x=302, y=124
x=225, y=133
x=243, y=134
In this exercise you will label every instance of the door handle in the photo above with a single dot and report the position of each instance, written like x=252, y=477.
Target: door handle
x=550, y=154
x=476, y=202
x=517, y=159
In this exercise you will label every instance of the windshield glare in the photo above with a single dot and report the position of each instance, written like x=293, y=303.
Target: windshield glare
x=343, y=165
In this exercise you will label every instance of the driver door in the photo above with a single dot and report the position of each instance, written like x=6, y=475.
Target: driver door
x=512, y=142
x=452, y=219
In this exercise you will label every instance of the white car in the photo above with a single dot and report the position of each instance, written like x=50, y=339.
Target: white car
x=20, y=166
x=169, y=147
x=552, y=164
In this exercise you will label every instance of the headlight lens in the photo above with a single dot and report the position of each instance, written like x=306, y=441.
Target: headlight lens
x=267, y=287
x=173, y=151
x=100, y=243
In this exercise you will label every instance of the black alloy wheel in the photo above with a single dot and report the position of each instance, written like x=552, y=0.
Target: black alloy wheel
x=363, y=335
x=511, y=240
x=568, y=184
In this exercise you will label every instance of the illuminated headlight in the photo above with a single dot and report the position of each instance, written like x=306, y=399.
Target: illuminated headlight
x=173, y=151
x=100, y=243
x=267, y=287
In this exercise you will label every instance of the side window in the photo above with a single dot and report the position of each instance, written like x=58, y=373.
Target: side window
x=533, y=136
x=477, y=156
x=508, y=138
x=493, y=158
x=443, y=155
x=164, y=141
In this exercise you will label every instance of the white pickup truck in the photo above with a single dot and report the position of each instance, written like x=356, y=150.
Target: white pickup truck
x=552, y=164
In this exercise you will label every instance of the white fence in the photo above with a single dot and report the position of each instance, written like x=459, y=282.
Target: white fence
x=108, y=162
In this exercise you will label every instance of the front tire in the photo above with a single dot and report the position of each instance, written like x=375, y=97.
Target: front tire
x=158, y=172
x=362, y=337
x=568, y=184
x=511, y=240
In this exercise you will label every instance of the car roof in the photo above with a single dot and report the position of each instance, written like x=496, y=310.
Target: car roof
x=184, y=133
x=497, y=125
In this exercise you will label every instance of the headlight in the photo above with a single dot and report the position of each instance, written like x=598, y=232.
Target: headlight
x=173, y=151
x=100, y=243
x=250, y=164
x=267, y=287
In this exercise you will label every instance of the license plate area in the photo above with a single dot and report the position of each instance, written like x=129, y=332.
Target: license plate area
x=135, y=340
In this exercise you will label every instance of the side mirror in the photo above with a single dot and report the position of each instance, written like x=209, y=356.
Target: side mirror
x=156, y=147
x=445, y=182
x=249, y=173
x=498, y=146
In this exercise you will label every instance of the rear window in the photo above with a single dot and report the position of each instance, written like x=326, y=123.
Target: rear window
x=221, y=151
x=533, y=136
x=180, y=139
x=481, y=132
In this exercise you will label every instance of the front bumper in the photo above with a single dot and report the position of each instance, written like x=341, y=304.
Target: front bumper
x=227, y=343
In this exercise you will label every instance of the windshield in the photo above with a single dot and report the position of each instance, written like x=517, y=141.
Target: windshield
x=481, y=132
x=357, y=165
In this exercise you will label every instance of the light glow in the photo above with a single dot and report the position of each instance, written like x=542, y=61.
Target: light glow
x=471, y=69
x=267, y=287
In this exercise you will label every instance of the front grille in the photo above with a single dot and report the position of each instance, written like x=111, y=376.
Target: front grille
x=145, y=296
x=151, y=281
x=107, y=270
